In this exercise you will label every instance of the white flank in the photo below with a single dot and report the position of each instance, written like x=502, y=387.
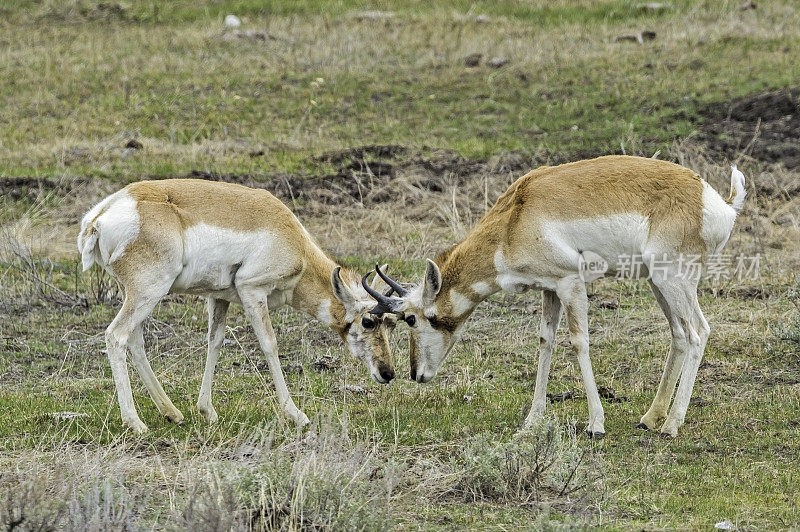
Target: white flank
x=609, y=237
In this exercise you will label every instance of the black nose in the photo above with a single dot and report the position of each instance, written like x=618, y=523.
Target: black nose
x=387, y=374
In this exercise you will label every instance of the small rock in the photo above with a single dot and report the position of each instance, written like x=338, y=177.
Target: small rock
x=357, y=390
x=232, y=21
x=604, y=301
x=654, y=7
x=497, y=62
x=482, y=19
x=253, y=35
x=699, y=401
x=325, y=363
x=294, y=368
x=134, y=144
x=748, y=5
x=725, y=525
x=68, y=415
x=247, y=451
x=256, y=35
x=374, y=15
x=574, y=128
x=607, y=392
x=563, y=396
x=645, y=35
x=473, y=60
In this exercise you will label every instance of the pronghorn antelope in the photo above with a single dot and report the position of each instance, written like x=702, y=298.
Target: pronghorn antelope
x=547, y=225
x=228, y=243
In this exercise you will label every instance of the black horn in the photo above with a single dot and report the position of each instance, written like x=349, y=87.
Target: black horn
x=385, y=303
x=391, y=282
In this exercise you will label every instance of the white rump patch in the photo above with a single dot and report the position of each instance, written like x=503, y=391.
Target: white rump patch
x=718, y=220
x=117, y=227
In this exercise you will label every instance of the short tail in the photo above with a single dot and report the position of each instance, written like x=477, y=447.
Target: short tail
x=738, y=193
x=89, y=235
x=87, y=243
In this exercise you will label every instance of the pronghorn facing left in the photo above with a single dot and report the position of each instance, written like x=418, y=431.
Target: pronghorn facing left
x=229, y=243
x=547, y=225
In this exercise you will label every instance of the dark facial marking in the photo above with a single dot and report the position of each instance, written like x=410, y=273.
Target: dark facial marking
x=443, y=324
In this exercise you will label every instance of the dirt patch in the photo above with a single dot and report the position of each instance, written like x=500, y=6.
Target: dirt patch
x=375, y=174
x=18, y=188
x=362, y=153
x=764, y=125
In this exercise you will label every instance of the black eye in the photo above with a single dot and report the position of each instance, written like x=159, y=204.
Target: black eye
x=367, y=323
x=411, y=320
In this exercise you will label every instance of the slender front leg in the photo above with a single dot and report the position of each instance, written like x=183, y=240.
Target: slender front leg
x=217, y=311
x=572, y=293
x=254, y=301
x=548, y=326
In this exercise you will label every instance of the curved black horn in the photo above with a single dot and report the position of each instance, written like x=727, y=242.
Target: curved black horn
x=385, y=303
x=402, y=292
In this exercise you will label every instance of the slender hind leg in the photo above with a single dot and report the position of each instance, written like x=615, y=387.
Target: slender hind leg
x=548, y=326
x=698, y=339
x=572, y=293
x=135, y=309
x=154, y=388
x=217, y=310
x=254, y=301
x=672, y=366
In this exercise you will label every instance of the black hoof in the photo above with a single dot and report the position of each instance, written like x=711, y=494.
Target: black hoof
x=596, y=435
x=665, y=435
x=642, y=426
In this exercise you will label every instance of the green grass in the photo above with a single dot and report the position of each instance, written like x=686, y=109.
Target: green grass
x=77, y=81
x=73, y=87
x=735, y=458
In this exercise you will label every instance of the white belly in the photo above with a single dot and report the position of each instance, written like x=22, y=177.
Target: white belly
x=610, y=238
x=215, y=260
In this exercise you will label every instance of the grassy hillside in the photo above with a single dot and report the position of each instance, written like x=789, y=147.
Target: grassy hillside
x=368, y=121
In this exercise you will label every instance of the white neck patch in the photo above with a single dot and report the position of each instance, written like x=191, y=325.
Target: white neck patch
x=481, y=288
x=460, y=302
x=324, y=312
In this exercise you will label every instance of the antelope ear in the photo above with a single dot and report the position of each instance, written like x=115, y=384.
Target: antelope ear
x=377, y=283
x=341, y=290
x=432, y=283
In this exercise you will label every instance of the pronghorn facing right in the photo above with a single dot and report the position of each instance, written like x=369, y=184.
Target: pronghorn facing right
x=228, y=243
x=541, y=232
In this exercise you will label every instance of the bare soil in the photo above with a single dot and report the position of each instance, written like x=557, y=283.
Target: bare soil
x=374, y=174
x=763, y=125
